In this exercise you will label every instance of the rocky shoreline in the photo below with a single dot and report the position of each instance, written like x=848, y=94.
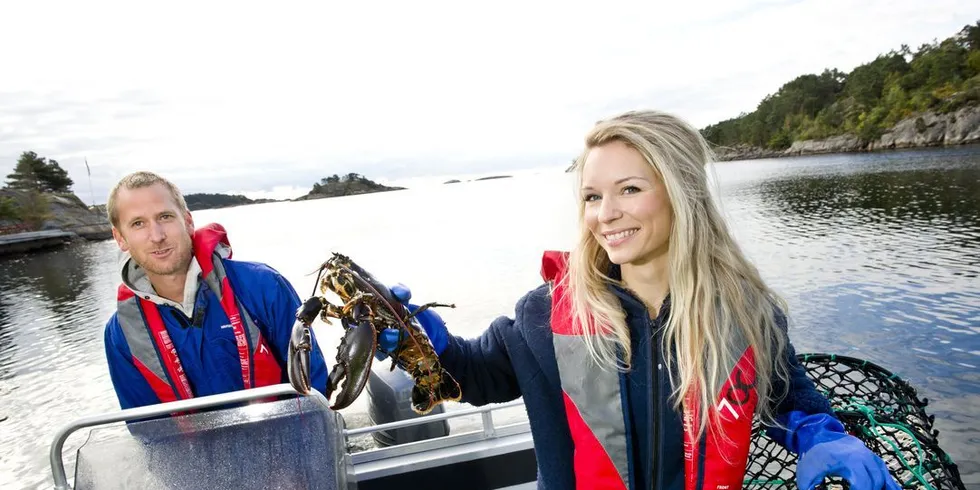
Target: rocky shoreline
x=929, y=129
x=65, y=212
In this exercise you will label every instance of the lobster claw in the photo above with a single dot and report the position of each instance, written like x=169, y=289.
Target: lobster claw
x=300, y=345
x=354, y=358
x=298, y=359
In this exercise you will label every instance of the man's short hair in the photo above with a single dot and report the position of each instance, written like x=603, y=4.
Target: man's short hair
x=138, y=180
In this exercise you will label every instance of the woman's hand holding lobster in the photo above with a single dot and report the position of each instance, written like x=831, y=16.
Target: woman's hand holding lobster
x=432, y=323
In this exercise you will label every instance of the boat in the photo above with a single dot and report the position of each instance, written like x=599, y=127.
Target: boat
x=274, y=437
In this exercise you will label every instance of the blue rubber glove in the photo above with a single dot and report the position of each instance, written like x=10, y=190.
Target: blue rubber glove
x=825, y=449
x=432, y=323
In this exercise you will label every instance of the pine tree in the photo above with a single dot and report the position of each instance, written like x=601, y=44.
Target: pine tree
x=27, y=172
x=8, y=209
x=35, y=173
x=55, y=178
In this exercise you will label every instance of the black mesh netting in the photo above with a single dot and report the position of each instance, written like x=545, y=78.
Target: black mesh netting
x=876, y=406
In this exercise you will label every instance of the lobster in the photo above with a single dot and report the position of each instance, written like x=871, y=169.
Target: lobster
x=369, y=308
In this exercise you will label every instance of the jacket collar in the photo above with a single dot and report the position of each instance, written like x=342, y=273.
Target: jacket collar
x=135, y=278
x=633, y=305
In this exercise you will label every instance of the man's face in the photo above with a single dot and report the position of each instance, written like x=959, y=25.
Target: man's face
x=154, y=230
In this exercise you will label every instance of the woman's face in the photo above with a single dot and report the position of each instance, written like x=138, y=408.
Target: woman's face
x=626, y=204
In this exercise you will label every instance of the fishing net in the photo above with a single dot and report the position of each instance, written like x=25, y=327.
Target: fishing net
x=875, y=406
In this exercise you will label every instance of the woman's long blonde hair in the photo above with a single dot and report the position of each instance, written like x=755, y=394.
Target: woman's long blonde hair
x=716, y=294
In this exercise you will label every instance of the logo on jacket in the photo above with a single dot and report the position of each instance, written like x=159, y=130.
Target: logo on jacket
x=737, y=393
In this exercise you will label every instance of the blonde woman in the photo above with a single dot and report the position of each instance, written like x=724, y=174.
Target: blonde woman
x=651, y=346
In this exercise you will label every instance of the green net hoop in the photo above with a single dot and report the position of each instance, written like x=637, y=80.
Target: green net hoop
x=875, y=406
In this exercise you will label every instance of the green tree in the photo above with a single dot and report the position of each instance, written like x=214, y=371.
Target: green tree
x=27, y=172
x=34, y=172
x=34, y=209
x=970, y=36
x=866, y=83
x=55, y=178
x=973, y=64
x=8, y=209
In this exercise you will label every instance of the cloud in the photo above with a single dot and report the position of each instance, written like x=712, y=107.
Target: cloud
x=227, y=95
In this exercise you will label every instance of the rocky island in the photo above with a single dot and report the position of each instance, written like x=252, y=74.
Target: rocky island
x=22, y=210
x=333, y=186
x=214, y=201
x=37, y=198
x=347, y=185
x=492, y=177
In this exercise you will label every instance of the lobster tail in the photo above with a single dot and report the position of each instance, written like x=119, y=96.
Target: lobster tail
x=424, y=399
x=449, y=388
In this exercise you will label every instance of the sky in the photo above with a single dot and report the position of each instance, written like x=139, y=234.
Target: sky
x=266, y=98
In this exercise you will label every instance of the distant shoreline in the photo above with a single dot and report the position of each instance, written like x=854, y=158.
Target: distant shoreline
x=765, y=155
x=333, y=186
x=927, y=130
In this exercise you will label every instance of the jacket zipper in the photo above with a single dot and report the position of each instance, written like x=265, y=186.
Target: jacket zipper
x=655, y=407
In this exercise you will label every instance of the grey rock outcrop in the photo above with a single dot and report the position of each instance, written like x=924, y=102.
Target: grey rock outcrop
x=67, y=212
x=744, y=152
x=835, y=144
x=932, y=129
x=927, y=129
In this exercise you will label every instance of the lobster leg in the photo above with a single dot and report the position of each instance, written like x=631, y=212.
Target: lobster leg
x=426, y=307
x=402, y=333
x=359, y=298
x=331, y=311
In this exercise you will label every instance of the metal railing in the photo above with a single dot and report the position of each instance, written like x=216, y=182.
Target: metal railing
x=488, y=431
x=140, y=413
x=488, y=427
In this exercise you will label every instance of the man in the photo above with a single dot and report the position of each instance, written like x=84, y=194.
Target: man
x=190, y=321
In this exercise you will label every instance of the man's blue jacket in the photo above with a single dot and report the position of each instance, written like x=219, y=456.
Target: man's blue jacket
x=202, y=333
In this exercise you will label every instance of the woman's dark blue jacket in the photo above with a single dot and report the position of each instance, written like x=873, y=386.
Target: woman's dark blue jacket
x=515, y=357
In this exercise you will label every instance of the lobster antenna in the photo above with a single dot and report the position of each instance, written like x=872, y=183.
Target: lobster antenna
x=318, y=276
